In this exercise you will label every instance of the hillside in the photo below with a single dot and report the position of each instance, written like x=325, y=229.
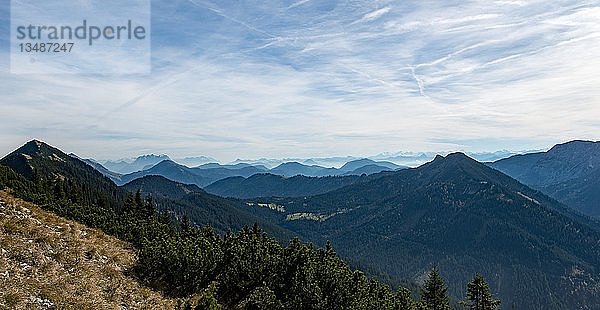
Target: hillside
x=464, y=217
x=49, y=166
x=221, y=214
x=369, y=169
x=269, y=185
x=291, y=169
x=114, y=176
x=76, y=182
x=47, y=262
x=236, y=270
x=568, y=172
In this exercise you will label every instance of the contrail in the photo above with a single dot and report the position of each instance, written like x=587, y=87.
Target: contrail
x=237, y=21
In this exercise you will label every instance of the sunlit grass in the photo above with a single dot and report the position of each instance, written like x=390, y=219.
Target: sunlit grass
x=47, y=262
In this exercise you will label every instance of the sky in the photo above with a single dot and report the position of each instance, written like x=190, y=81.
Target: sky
x=251, y=79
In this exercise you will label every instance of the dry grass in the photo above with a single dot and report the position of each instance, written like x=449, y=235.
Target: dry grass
x=47, y=262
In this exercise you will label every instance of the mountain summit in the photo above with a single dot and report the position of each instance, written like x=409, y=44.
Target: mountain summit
x=465, y=217
x=21, y=159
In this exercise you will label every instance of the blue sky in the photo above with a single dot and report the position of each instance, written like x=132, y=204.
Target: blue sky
x=250, y=79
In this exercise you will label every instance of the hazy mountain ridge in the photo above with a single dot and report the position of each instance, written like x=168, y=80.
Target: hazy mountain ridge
x=114, y=176
x=353, y=167
x=410, y=159
x=140, y=163
x=209, y=173
x=270, y=185
x=569, y=172
x=169, y=170
x=201, y=176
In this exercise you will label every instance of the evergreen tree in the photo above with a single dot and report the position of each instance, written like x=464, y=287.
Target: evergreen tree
x=129, y=202
x=260, y=298
x=479, y=296
x=405, y=300
x=149, y=207
x=139, y=203
x=186, y=224
x=203, y=300
x=165, y=216
x=433, y=294
x=204, y=270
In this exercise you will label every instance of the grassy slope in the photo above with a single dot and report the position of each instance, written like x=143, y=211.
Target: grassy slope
x=50, y=262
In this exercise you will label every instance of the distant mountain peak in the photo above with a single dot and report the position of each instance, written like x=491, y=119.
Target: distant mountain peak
x=458, y=166
x=457, y=157
x=34, y=147
x=575, y=145
x=140, y=163
x=166, y=163
x=152, y=156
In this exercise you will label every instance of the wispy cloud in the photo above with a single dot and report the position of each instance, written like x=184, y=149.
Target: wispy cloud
x=307, y=78
x=297, y=4
x=371, y=16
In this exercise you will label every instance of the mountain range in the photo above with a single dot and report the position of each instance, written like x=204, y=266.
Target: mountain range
x=463, y=217
x=209, y=173
x=411, y=159
x=354, y=167
x=452, y=212
x=171, y=241
x=184, y=169
x=201, y=176
x=38, y=160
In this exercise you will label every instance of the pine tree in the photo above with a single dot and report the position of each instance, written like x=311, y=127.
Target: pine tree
x=261, y=298
x=186, y=224
x=149, y=207
x=479, y=296
x=139, y=203
x=433, y=294
x=129, y=202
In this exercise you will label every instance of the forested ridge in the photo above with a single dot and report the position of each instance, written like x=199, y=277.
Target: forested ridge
x=206, y=270
x=466, y=218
